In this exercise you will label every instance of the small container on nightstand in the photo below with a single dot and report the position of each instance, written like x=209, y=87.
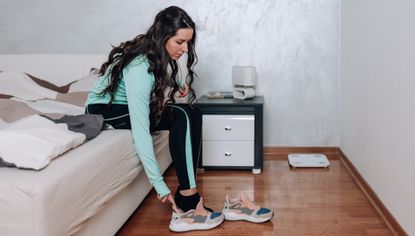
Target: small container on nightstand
x=232, y=133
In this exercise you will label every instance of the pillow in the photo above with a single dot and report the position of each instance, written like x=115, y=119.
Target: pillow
x=84, y=84
x=49, y=85
x=28, y=87
x=20, y=85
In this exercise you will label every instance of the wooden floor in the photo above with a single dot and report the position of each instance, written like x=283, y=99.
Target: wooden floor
x=307, y=202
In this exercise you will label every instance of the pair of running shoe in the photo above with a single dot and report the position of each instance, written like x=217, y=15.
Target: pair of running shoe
x=241, y=208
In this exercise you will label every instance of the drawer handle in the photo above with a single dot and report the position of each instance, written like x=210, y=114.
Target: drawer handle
x=228, y=154
x=228, y=128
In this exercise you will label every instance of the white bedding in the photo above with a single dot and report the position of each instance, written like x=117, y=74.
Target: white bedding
x=21, y=86
x=50, y=106
x=62, y=197
x=89, y=190
x=34, y=141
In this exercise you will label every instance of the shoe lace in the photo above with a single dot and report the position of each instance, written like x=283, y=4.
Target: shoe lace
x=202, y=212
x=250, y=204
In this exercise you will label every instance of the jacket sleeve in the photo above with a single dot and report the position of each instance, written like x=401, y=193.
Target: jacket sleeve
x=138, y=86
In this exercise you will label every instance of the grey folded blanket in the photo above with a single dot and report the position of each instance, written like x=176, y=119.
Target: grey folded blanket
x=88, y=124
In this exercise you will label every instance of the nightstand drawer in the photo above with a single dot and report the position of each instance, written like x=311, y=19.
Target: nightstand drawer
x=228, y=127
x=228, y=153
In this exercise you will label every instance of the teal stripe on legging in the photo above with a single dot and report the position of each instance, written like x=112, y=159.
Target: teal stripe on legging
x=189, y=159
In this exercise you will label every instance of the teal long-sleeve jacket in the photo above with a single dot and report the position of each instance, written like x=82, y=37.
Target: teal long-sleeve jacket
x=136, y=85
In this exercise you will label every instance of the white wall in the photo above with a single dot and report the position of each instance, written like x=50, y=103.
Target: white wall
x=293, y=44
x=377, y=104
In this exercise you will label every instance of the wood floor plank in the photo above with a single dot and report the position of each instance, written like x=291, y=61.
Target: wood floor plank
x=307, y=201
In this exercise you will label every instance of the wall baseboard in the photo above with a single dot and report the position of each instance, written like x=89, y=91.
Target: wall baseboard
x=281, y=152
x=335, y=153
x=373, y=198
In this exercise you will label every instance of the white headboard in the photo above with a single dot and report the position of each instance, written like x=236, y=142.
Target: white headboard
x=59, y=69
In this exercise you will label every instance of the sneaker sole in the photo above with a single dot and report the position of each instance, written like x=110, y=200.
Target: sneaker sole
x=231, y=216
x=183, y=227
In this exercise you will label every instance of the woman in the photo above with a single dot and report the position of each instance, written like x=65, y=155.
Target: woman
x=131, y=95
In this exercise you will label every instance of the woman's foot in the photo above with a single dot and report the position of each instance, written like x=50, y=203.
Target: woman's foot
x=194, y=219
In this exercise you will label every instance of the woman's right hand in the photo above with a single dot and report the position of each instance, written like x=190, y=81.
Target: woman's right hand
x=166, y=198
x=163, y=199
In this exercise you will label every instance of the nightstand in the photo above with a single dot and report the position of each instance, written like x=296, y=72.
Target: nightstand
x=232, y=133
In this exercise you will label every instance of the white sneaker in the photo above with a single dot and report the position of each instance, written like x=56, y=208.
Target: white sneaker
x=194, y=219
x=245, y=209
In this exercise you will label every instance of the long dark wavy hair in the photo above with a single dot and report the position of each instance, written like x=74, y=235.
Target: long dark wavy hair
x=152, y=44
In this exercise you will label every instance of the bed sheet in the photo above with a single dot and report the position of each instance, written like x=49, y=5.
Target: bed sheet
x=59, y=199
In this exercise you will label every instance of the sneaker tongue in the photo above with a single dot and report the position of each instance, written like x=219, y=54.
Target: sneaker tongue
x=246, y=201
x=199, y=206
x=244, y=197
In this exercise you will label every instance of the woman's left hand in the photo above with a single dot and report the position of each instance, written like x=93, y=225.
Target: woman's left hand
x=183, y=91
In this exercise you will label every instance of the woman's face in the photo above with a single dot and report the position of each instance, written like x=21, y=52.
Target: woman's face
x=177, y=45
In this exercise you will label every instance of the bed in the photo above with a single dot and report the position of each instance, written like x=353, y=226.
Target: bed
x=89, y=190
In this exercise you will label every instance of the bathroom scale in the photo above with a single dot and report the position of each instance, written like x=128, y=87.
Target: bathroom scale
x=308, y=160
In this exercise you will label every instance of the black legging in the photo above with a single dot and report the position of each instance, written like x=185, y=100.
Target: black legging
x=173, y=119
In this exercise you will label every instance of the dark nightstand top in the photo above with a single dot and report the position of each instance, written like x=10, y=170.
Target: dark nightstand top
x=257, y=100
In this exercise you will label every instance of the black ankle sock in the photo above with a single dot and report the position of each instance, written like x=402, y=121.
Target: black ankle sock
x=186, y=203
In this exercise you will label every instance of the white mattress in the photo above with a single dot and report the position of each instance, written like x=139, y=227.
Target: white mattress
x=59, y=199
